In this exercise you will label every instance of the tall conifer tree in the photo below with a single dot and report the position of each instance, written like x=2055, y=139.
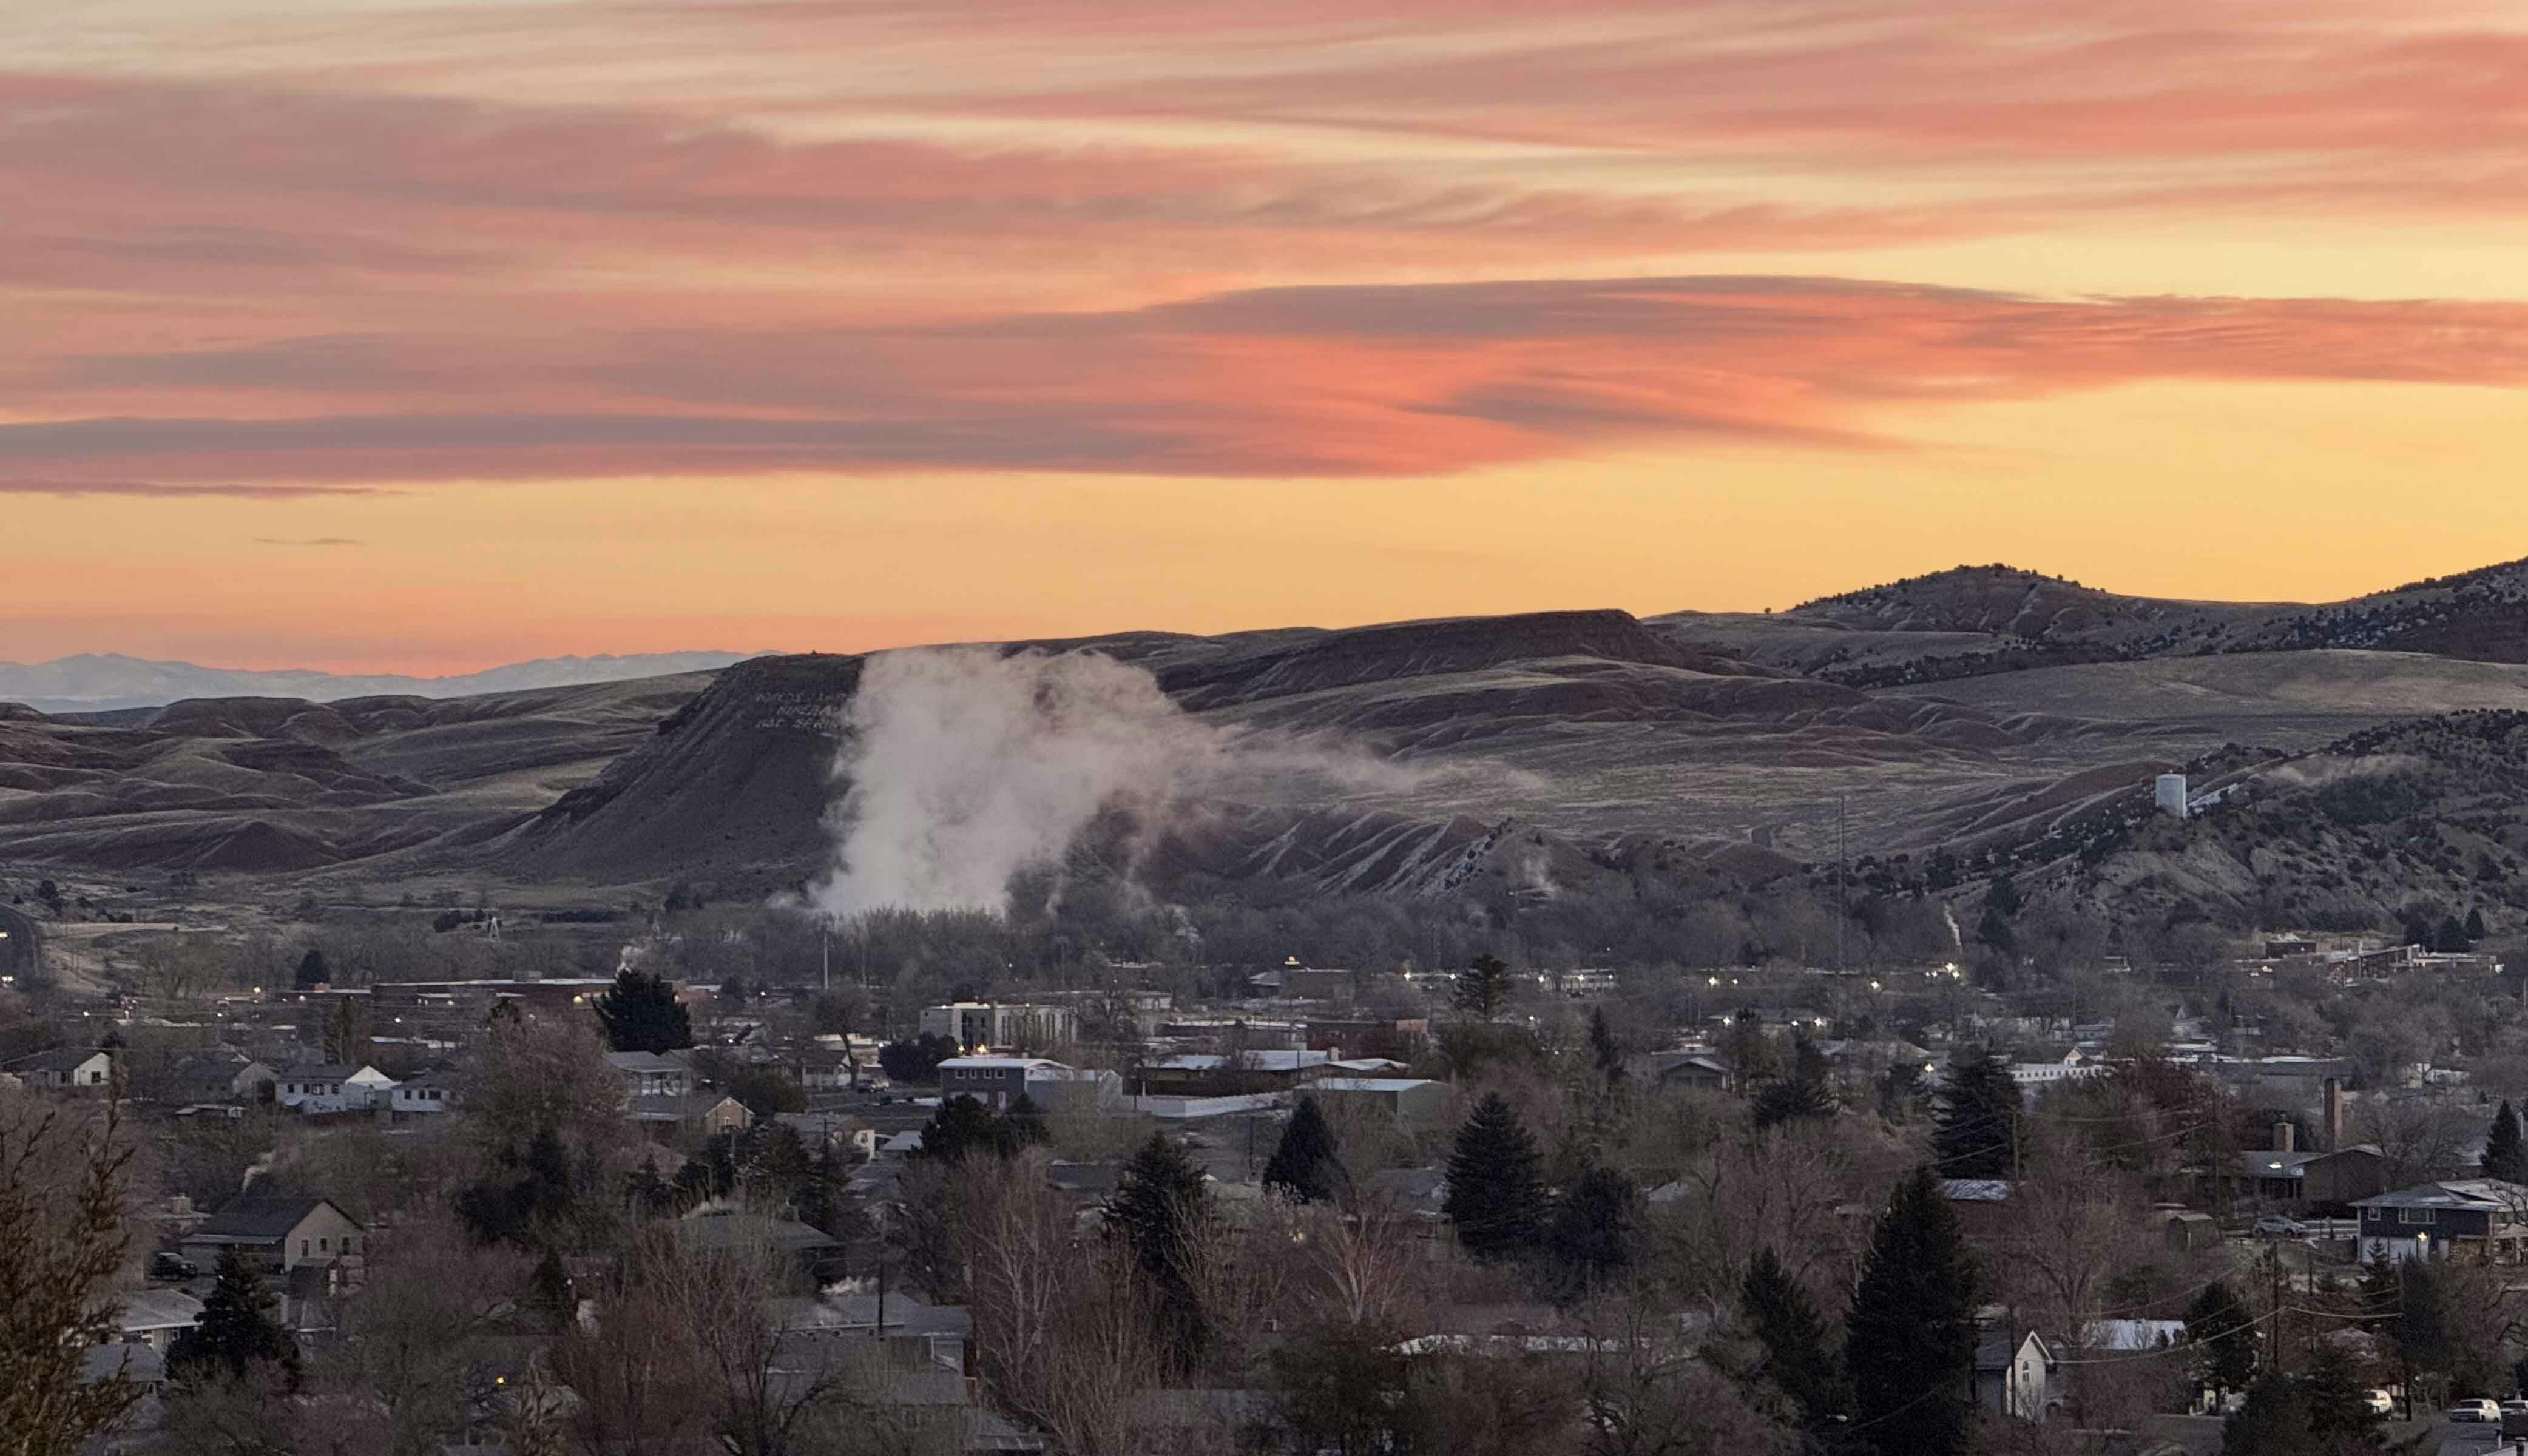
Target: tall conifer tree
x=2220, y=1325
x=1496, y=1193
x=2505, y=1157
x=1591, y=1235
x=1482, y=989
x=1305, y=1164
x=236, y=1329
x=1978, y=1130
x=641, y=1014
x=1910, y=1340
x=1793, y=1336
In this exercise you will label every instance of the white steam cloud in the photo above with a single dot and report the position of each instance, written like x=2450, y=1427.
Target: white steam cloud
x=965, y=765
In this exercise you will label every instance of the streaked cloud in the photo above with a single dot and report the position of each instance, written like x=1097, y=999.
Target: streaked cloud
x=260, y=256
x=1357, y=380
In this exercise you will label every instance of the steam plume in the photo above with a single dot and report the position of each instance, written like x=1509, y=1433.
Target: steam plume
x=967, y=765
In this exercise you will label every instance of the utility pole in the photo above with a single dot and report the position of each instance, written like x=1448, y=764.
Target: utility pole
x=1842, y=861
x=826, y=941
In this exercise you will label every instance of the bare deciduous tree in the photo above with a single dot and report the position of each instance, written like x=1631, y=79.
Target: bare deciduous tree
x=1021, y=1268
x=61, y=1242
x=1365, y=1265
x=414, y=1341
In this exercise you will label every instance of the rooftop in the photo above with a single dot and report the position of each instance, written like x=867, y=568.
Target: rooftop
x=258, y=1219
x=998, y=1064
x=2487, y=1194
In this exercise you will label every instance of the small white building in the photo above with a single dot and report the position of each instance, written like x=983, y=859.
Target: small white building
x=66, y=1067
x=2171, y=797
x=334, y=1088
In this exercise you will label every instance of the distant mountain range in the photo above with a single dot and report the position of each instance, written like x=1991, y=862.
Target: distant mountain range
x=103, y=682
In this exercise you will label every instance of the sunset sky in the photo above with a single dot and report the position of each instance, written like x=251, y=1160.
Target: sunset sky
x=425, y=335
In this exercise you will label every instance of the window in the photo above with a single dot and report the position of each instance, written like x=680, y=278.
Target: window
x=323, y=1246
x=2413, y=1215
x=302, y=1248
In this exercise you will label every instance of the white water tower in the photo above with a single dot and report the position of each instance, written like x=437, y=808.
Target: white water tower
x=2172, y=793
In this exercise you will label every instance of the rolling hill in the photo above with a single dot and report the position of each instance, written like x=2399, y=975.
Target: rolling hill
x=107, y=682
x=1974, y=621
x=1975, y=708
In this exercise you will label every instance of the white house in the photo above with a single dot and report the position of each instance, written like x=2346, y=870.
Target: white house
x=335, y=1088
x=66, y=1067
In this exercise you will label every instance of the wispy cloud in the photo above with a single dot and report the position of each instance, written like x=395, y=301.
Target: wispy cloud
x=22, y=485
x=307, y=541
x=500, y=240
x=1346, y=381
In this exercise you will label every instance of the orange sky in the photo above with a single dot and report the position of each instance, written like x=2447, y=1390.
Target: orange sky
x=426, y=336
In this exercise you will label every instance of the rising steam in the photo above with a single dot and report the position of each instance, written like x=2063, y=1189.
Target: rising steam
x=965, y=765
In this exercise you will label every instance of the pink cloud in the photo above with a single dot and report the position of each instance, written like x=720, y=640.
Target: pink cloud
x=1359, y=380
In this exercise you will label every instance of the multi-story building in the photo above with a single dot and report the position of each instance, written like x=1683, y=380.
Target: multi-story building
x=1018, y=1027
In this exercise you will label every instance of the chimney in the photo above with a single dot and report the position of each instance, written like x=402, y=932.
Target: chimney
x=2334, y=1114
x=2283, y=1137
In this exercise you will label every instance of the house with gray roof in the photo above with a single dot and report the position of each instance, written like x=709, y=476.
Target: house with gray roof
x=65, y=1068
x=276, y=1231
x=333, y=1087
x=2485, y=1220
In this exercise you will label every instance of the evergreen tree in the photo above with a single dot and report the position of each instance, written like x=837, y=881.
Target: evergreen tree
x=1747, y=1050
x=1161, y=1212
x=1496, y=1193
x=960, y=1126
x=2504, y=1156
x=2474, y=924
x=916, y=1058
x=1022, y=1125
x=1805, y=1093
x=1940, y=871
x=2219, y=1323
x=1603, y=1052
x=2420, y=1328
x=523, y=1211
x=1482, y=989
x=1590, y=1239
x=312, y=970
x=236, y=1329
x=2450, y=935
x=1910, y=1340
x=2003, y=897
x=1793, y=1336
x=1304, y=1165
x=1978, y=1130
x=641, y=1014
x=2272, y=1422
x=2340, y=1418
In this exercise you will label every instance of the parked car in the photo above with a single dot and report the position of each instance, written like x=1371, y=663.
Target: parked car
x=2483, y=1411
x=173, y=1267
x=2278, y=1225
x=2380, y=1401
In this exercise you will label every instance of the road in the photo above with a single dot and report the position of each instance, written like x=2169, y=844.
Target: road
x=18, y=951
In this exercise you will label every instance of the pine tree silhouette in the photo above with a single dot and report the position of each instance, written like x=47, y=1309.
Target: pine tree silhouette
x=1910, y=1340
x=1496, y=1193
x=1304, y=1164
